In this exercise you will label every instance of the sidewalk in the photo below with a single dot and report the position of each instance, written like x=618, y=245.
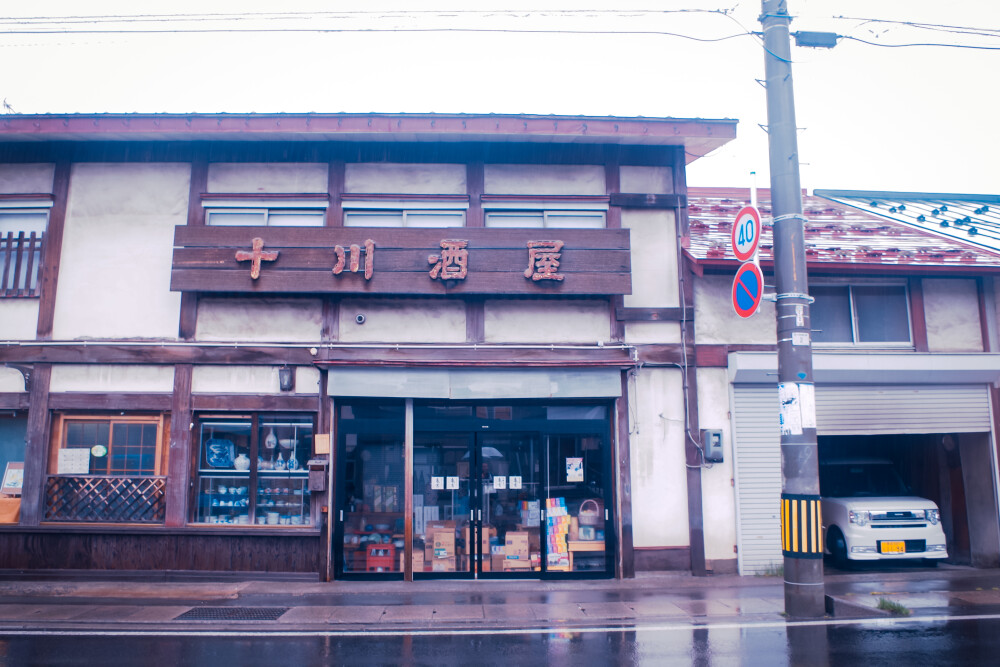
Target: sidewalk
x=297, y=606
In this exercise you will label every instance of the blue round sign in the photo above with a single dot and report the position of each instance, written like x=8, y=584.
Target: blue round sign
x=748, y=287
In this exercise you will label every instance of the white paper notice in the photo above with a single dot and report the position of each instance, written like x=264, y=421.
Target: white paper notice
x=515, y=481
x=74, y=461
x=437, y=482
x=499, y=482
x=790, y=411
x=800, y=338
x=574, y=469
x=807, y=403
x=453, y=483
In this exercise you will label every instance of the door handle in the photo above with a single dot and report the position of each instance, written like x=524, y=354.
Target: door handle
x=342, y=515
x=480, y=514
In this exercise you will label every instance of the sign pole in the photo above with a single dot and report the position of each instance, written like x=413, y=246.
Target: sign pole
x=800, y=518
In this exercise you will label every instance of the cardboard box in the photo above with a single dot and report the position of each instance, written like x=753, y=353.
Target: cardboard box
x=496, y=563
x=519, y=565
x=444, y=564
x=517, y=545
x=444, y=544
x=418, y=561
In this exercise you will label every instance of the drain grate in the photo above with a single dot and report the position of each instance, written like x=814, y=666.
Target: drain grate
x=232, y=614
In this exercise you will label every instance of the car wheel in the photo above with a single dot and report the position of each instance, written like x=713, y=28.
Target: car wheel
x=837, y=545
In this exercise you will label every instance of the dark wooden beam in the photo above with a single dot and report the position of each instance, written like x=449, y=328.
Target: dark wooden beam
x=330, y=331
x=475, y=185
x=717, y=356
x=629, y=200
x=336, y=173
x=623, y=462
x=36, y=452
x=179, y=459
x=298, y=403
x=109, y=401
x=49, y=274
x=14, y=401
x=188, y=321
x=984, y=324
x=152, y=353
x=654, y=314
x=475, y=320
x=918, y=320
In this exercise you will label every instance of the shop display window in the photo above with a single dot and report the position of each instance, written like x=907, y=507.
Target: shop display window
x=252, y=470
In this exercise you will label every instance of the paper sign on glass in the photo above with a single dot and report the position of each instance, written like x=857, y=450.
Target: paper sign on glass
x=499, y=482
x=437, y=482
x=515, y=481
x=574, y=469
x=452, y=483
x=73, y=461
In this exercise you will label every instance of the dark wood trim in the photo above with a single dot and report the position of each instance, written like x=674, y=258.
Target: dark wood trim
x=143, y=529
x=918, y=319
x=188, y=320
x=335, y=175
x=475, y=184
x=679, y=173
x=178, y=467
x=654, y=314
x=36, y=453
x=49, y=275
x=475, y=320
x=599, y=200
x=348, y=197
x=14, y=401
x=984, y=324
x=253, y=402
x=662, y=559
x=330, y=330
x=109, y=401
x=626, y=552
x=612, y=185
x=347, y=355
x=653, y=201
x=28, y=197
x=721, y=265
x=258, y=196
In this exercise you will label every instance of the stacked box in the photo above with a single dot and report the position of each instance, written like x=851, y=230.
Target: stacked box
x=530, y=512
x=517, y=546
x=557, y=527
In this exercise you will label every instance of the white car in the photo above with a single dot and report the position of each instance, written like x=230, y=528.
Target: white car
x=870, y=514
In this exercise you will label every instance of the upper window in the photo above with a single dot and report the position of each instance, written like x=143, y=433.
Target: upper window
x=110, y=446
x=266, y=211
x=863, y=314
x=21, y=234
x=403, y=218
x=546, y=218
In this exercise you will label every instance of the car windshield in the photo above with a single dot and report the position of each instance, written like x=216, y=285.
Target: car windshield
x=861, y=479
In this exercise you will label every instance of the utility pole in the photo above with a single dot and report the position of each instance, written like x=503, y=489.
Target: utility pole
x=801, y=532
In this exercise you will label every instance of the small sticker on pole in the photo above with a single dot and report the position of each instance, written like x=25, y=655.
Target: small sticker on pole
x=748, y=287
x=746, y=233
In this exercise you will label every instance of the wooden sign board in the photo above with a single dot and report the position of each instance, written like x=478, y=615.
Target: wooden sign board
x=389, y=260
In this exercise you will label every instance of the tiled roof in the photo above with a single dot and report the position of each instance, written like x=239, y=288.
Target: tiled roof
x=971, y=219
x=836, y=235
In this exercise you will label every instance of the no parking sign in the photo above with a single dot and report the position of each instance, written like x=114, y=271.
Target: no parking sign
x=748, y=287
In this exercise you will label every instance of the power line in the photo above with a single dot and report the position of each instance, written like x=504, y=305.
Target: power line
x=900, y=46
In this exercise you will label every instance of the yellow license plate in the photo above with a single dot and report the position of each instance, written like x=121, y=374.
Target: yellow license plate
x=893, y=547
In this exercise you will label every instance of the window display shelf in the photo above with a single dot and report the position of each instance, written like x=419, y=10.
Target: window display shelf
x=224, y=499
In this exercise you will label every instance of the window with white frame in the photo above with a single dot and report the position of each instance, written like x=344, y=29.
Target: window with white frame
x=22, y=231
x=403, y=218
x=866, y=314
x=514, y=212
x=284, y=212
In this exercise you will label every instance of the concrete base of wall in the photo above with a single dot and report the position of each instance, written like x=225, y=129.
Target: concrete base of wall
x=656, y=559
x=723, y=566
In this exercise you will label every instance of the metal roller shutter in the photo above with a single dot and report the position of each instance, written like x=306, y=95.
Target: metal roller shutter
x=840, y=410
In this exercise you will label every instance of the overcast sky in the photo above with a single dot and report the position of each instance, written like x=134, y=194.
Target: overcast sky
x=918, y=119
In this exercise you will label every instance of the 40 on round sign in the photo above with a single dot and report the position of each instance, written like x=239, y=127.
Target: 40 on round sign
x=748, y=287
x=746, y=233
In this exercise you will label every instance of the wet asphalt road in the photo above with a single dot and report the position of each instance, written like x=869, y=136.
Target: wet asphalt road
x=898, y=642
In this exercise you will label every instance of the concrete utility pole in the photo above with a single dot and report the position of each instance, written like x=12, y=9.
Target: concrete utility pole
x=801, y=532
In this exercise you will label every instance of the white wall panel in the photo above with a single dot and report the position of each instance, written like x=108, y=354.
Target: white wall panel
x=20, y=179
x=544, y=179
x=654, y=258
x=951, y=308
x=528, y=321
x=390, y=178
x=18, y=319
x=269, y=177
x=273, y=320
x=112, y=378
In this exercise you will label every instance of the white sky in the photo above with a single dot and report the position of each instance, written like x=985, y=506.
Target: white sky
x=910, y=119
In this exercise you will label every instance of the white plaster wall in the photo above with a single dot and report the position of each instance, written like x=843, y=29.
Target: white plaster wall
x=656, y=180
x=402, y=321
x=951, y=306
x=306, y=380
x=18, y=319
x=267, y=177
x=544, y=179
x=715, y=321
x=530, y=321
x=114, y=273
x=274, y=320
x=21, y=179
x=659, y=478
x=112, y=378
x=250, y=380
x=717, y=492
x=638, y=333
x=433, y=179
x=11, y=380
x=654, y=259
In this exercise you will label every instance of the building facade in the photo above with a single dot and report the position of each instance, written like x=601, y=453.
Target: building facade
x=350, y=346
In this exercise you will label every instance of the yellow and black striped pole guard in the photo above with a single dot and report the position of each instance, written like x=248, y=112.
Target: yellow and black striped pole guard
x=801, y=526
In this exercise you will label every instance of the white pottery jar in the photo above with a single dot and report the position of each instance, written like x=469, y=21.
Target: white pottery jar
x=242, y=462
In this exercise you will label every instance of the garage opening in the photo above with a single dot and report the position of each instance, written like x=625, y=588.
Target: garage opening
x=953, y=470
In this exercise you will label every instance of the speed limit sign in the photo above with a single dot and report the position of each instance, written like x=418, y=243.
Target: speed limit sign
x=746, y=233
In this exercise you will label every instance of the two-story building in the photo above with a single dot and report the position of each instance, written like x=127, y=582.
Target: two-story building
x=349, y=345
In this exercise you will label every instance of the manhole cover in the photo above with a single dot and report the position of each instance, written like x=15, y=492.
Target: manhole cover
x=232, y=614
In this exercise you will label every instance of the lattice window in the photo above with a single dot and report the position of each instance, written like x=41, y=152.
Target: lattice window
x=105, y=499
x=21, y=235
x=117, y=446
